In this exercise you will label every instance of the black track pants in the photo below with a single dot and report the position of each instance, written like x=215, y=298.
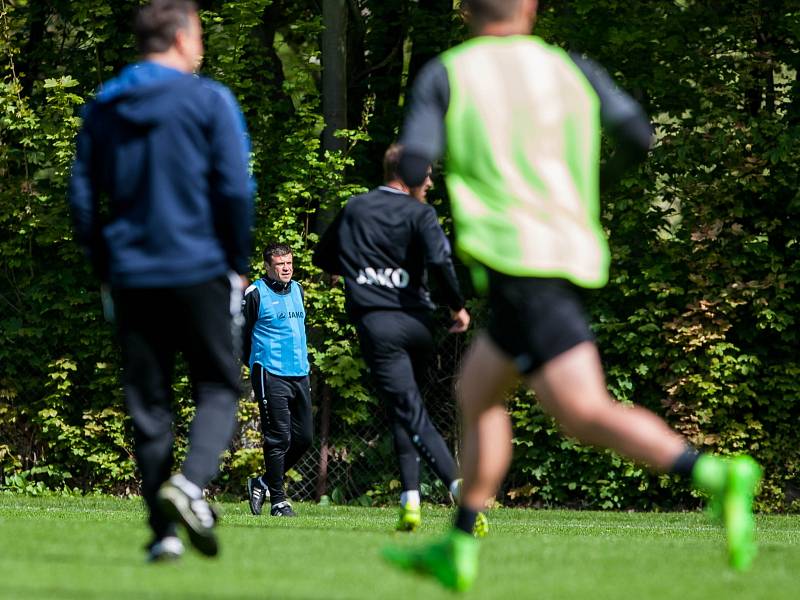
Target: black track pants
x=397, y=346
x=202, y=322
x=286, y=422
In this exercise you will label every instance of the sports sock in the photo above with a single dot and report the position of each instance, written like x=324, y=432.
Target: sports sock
x=263, y=483
x=410, y=498
x=684, y=464
x=465, y=519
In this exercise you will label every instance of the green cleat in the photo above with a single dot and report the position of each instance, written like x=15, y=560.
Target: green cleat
x=410, y=518
x=453, y=562
x=737, y=511
x=731, y=484
x=481, y=527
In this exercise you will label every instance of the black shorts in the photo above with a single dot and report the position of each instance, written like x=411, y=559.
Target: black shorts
x=534, y=320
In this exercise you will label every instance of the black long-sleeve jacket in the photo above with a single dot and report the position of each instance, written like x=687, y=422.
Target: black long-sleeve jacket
x=383, y=243
x=423, y=135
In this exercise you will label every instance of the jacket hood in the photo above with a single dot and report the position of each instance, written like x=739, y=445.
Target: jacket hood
x=133, y=91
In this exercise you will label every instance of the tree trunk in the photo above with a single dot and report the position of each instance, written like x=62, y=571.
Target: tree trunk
x=324, y=432
x=334, y=72
x=334, y=89
x=386, y=33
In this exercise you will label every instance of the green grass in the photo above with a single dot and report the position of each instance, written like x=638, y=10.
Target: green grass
x=80, y=548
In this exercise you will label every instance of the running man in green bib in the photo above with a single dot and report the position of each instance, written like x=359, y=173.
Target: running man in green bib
x=519, y=122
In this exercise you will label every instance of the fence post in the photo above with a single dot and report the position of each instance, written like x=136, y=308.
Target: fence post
x=324, y=431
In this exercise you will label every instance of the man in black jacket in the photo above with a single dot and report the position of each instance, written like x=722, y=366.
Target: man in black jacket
x=385, y=243
x=164, y=154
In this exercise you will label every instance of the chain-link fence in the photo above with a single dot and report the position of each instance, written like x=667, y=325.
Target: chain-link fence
x=356, y=463
x=66, y=427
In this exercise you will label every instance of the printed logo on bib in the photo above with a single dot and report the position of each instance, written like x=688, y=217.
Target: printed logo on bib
x=292, y=315
x=390, y=278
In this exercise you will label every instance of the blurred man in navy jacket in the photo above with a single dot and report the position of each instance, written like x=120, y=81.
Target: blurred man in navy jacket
x=161, y=200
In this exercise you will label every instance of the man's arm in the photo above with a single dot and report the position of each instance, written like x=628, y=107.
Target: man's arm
x=84, y=201
x=232, y=188
x=438, y=260
x=422, y=135
x=327, y=253
x=250, y=306
x=622, y=118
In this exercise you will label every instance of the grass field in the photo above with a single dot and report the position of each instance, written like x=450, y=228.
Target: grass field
x=80, y=548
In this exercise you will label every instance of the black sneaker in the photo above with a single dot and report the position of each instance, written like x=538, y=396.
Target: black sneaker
x=166, y=549
x=257, y=494
x=193, y=513
x=282, y=509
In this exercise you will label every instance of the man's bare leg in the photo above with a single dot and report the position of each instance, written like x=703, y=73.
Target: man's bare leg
x=485, y=377
x=572, y=388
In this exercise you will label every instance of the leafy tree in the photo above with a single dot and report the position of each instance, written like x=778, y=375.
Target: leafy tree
x=698, y=322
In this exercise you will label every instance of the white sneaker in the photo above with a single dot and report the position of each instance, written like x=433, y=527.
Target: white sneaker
x=194, y=513
x=166, y=549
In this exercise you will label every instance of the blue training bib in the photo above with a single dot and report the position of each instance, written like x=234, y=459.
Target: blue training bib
x=279, y=334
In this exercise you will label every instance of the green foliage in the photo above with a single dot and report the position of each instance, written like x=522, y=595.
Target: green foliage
x=63, y=418
x=699, y=322
x=54, y=437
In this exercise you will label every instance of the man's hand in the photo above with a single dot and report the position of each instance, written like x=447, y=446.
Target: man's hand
x=460, y=319
x=244, y=281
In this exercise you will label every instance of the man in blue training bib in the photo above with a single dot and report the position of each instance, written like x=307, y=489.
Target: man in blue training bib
x=275, y=348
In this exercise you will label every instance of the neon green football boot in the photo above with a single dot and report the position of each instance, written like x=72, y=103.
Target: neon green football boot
x=410, y=517
x=744, y=475
x=481, y=527
x=732, y=485
x=453, y=561
x=710, y=475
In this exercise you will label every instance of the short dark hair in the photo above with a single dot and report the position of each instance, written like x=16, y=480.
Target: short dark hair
x=275, y=249
x=157, y=23
x=391, y=162
x=489, y=11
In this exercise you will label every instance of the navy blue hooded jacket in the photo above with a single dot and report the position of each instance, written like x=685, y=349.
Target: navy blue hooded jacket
x=160, y=191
